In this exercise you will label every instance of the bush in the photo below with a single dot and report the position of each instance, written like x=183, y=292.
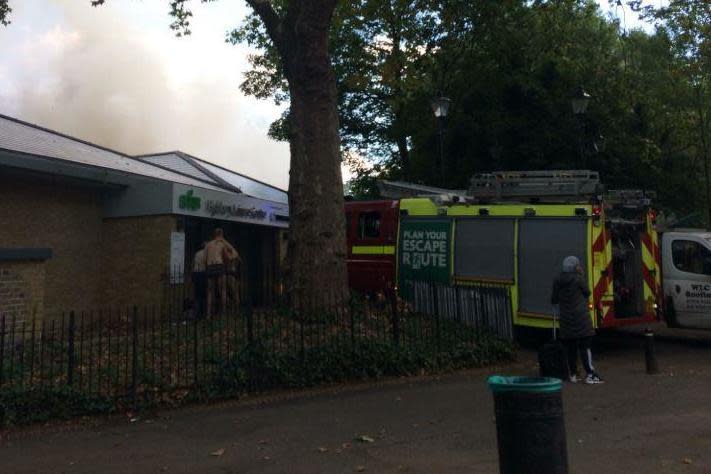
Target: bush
x=258, y=368
x=23, y=406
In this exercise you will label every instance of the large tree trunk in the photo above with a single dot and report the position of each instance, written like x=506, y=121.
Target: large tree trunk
x=317, y=241
x=316, y=257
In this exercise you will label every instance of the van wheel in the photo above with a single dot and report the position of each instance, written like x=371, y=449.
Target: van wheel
x=670, y=314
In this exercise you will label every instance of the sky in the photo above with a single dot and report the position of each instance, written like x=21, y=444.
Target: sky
x=117, y=76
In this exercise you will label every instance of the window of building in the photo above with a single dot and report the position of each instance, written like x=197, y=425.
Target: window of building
x=348, y=225
x=369, y=225
x=691, y=257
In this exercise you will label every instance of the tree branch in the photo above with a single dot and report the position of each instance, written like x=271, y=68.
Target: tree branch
x=4, y=13
x=271, y=19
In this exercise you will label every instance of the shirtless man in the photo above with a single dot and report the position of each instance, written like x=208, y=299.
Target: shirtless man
x=219, y=255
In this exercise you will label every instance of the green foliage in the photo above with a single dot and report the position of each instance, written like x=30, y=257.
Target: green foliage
x=686, y=27
x=258, y=367
x=510, y=68
x=20, y=405
x=378, y=58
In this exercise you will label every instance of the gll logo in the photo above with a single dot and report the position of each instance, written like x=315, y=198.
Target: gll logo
x=189, y=202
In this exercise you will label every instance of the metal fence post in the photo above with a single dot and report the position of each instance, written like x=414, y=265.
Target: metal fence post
x=2, y=349
x=352, y=310
x=395, y=317
x=70, y=349
x=251, y=378
x=195, y=351
x=250, y=325
x=435, y=294
x=134, y=356
x=302, y=351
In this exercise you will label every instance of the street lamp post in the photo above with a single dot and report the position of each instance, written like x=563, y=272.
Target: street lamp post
x=579, y=103
x=440, y=107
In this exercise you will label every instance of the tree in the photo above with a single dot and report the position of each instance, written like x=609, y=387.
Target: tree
x=687, y=24
x=317, y=245
x=510, y=68
x=299, y=33
x=5, y=11
x=378, y=50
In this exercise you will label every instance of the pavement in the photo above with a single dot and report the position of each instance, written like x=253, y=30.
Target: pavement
x=664, y=333
x=634, y=423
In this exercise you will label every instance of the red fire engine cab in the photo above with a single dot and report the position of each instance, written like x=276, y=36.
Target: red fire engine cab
x=371, y=231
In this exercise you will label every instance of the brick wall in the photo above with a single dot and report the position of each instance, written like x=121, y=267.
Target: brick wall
x=65, y=217
x=22, y=290
x=96, y=262
x=136, y=256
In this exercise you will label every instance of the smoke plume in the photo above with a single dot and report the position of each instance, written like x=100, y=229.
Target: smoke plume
x=117, y=77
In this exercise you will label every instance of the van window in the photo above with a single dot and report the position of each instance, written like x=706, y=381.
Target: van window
x=348, y=225
x=692, y=257
x=369, y=225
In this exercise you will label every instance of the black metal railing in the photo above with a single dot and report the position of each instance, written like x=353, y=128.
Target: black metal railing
x=482, y=306
x=139, y=353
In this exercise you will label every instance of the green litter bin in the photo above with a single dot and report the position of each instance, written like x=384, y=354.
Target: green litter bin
x=530, y=428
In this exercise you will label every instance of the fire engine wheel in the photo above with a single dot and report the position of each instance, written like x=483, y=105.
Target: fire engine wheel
x=670, y=314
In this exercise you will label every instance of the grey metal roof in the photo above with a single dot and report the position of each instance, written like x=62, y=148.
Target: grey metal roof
x=22, y=137
x=188, y=164
x=176, y=162
x=248, y=185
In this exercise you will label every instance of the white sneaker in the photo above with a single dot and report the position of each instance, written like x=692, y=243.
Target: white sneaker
x=593, y=379
x=573, y=379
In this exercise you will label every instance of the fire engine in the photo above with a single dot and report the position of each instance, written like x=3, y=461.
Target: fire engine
x=514, y=229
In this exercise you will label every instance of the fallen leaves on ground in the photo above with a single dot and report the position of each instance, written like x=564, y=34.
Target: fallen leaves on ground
x=687, y=461
x=360, y=468
x=365, y=439
x=218, y=453
x=321, y=449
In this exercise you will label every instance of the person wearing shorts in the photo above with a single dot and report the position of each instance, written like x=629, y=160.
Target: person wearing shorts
x=219, y=255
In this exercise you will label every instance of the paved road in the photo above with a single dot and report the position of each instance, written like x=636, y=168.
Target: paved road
x=662, y=332
x=633, y=424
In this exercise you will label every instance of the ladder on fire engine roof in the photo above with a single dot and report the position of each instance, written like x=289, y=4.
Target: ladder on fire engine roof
x=402, y=189
x=505, y=185
x=541, y=185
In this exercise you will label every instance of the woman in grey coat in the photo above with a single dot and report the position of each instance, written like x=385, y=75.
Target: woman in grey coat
x=570, y=300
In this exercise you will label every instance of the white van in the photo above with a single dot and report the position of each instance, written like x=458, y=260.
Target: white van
x=686, y=276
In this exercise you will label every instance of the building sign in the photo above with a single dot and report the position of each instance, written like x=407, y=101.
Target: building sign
x=189, y=202
x=424, y=252
x=228, y=206
x=220, y=209
x=695, y=296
